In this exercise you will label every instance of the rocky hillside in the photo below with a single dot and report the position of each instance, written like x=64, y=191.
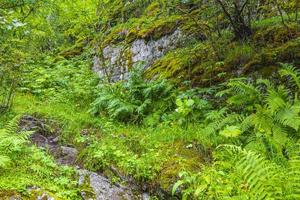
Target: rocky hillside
x=175, y=41
x=149, y=99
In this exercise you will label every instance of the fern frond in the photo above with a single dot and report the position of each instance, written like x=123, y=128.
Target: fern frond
x=247, y=123
x=265, y=82
x=259, y=174
x=289, y=116
x=263, y=120
x=293, y=175
x=277, y=99
x=290, y=71
x=5, y=161
x=13, y=125
x=216, y=114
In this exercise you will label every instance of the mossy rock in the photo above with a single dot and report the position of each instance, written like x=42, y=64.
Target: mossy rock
x=192, y=26
x=142, y=28
x=153, y=9
x=266, y=57
x=6, y=195
x=116, y=35
x=276, y=35
x=160, y=27
x=180, y=63
x=289, y=52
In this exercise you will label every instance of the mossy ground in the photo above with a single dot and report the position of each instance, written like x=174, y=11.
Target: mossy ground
x=152, y=156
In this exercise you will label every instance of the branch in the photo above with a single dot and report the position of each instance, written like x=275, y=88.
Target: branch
x=243, y=7
x=225, y=11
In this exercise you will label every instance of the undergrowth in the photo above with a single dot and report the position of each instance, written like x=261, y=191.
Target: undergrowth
x=24, y=167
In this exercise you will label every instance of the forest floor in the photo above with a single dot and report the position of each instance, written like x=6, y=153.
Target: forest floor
x=64, y=130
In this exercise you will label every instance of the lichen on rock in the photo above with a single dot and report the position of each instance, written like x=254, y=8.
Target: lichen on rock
x=117, y=60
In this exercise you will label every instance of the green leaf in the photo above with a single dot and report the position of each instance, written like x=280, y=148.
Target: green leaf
x=176, y=186
x=190, y=102
x=231, y=131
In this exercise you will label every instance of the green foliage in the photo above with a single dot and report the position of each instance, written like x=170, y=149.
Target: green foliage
x=23, y=166
x=189, y=109
x=239, y=174
x=135, y=100
x=258, y=119
x=56, y=80
x=241, y=93
x=13, y=57
x=292, y=72
x=238, y=56
x=11, y=142
x=144, y=166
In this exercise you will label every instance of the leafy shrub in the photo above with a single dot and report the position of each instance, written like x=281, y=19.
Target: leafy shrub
x=190, y=108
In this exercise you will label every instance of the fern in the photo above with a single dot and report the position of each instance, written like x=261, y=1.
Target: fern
x=277, y=99
x=11, y=141
x=293, y=175
x=290, y=71
x=135, y=100
x=241, y=174
x=289, y=116
x=5, y=161
x=239, y=92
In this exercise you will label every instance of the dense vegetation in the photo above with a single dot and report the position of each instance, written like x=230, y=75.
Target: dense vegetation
x=217, y=116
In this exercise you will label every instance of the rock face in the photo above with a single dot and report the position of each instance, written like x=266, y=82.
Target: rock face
x=116, y=60
x=103, y=188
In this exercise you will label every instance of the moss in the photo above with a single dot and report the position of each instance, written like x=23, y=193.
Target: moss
x=32, y=195
x=264, y=58
x=184, y=159
x=238, y=55
x=128, y=56
x=180, y=63
x=86, y=188
x=275, y=35
x=142, y=28
x=74, y=50
x=116, y=35
x=160, y=27
x=6, y=195
x=153, y=9
x=199, y=62
x=290, y=51
x=192, y=25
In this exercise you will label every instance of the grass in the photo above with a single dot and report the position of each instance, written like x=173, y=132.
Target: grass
x=271, y=21
x=71, y=117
